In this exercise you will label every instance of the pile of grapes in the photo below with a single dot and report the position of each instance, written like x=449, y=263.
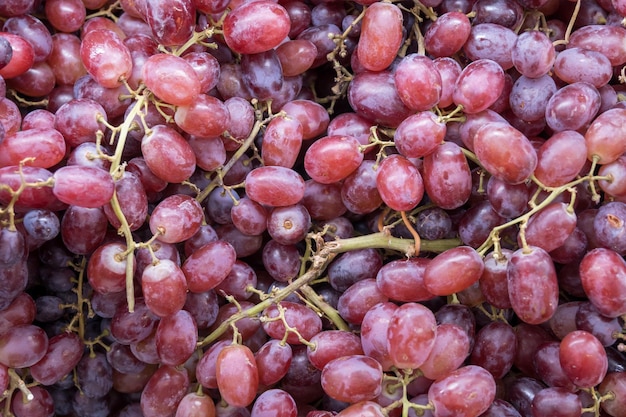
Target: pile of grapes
x=312, y=208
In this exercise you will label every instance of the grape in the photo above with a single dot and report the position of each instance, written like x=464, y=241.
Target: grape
x=239, y=280
x=207, y=68
x=505, y=13
x=602, y=38
x=212, y=111
x=465, y=392
x=245, y=245
x=385, y=106
x=323, y=201
x=262, y=74
x=274, y=403
x=164, y=287
x=172, y=23
x=275, y=186
x=164, y=391
x=359, y=193
x=63, y=354
x=176, y=218
x=354, y=303
x=617, y=170
x=296, y=316
x=613, y=382
x=167, y=154
x=194, y=404
x=106, y=269
x=22, y=56
x=122, y=359
x=332, y=158
x=556, y=402
x=42, y=225
x=254, y=28
x=603, y=277
x=419, y=134
x=491, y=41
x=609, y=226
x=533, y=54
x=583, y=65
x=479, y=85
x=352, y=267
x=176, y=338
x=601, y=136
x=351, y=124
x=129, y=328
x=532, y=283
x=494, y=349
x=399, y=183
x=447, y=176
x=13, y=247
x=21, y=310
x=419, y=93
x=78, y=121
x=548, y=366
x=210, y=152
x=588, y=318
x=296, y=56
x=529, y=97
x=94, y=375
x=273, y=360
x=41, y=405
x=362, y=408
x=374, y=329
x=505, y=152
x=447, y=35
x=205, y=368
x=312, y=116
x=493, y=281
x=551, y=226
x=237, y=375
x=583, y=358
x=411, y=335
x=282, y=142
x=352, y=378
x=288, y=225
x=83, y=186
x=561, y=158
x=171, y=79
x=508, y=200
x=209, y=265
x=150, y=181
x=451, y=348
x=132, y=199
x=381, y=36
x=403, y=280
x=46, y=146
x=64, y=59
x=106, y=57
x=461, y=265
x=572, y=107
x=333, y=344
x=282, y=262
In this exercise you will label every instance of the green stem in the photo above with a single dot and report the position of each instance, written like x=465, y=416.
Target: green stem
x=330, y=312
x=130, y=253
x=320, y=262
x=231, y=162
x=383, y=240
x=124, y=129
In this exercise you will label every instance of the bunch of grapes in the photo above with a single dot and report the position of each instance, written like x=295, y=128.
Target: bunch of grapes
x=312, y=208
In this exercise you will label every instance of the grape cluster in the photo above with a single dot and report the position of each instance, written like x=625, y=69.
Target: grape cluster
x=310, y=208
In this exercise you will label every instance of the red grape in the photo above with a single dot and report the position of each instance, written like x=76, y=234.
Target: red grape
x=411, y=335
x=237, y=375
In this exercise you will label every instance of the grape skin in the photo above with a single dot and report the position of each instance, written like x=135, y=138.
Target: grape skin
x=322, y=218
